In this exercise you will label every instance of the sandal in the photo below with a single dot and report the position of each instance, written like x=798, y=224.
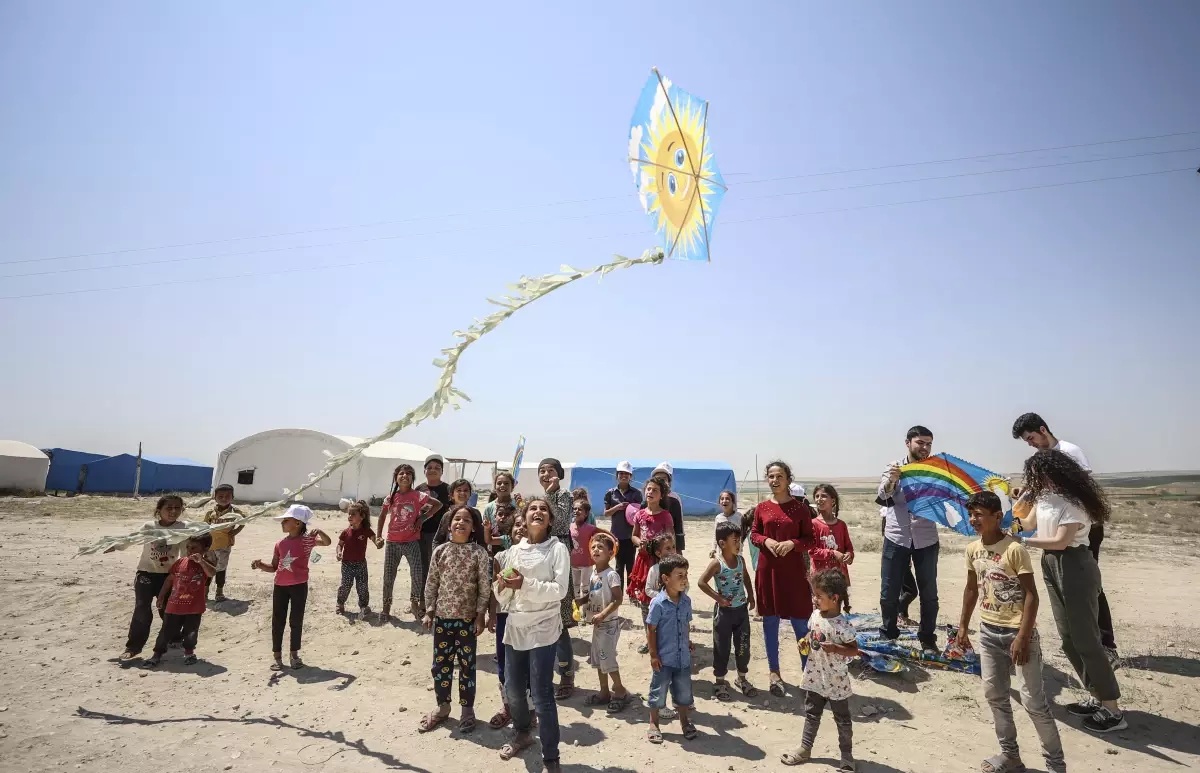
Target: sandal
x=500, y=719
x=277, y=665
x=151, y=663
x=777, y=686
x=564, y=689
x=848, y=765
x=721, y=692
x=598, y=699
x=189, y=660
x=431, y=720
x=690, y=732
x=744, y=685
x=797, y=756
x=467, y=723
x=654, y=735
x=619, y=704
x=296, y=662
x=518, y=744
x=1002, y=763
x=667, y=715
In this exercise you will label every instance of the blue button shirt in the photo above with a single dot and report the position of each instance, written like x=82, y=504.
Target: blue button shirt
x=672, y=622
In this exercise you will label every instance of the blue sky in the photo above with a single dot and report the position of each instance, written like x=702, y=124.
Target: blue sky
x=816, y=337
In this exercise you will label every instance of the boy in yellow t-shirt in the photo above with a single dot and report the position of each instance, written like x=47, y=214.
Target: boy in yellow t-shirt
x=222, y=539
x=1000, y=579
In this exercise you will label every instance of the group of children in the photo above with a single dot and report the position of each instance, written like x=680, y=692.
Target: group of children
x=503, y=570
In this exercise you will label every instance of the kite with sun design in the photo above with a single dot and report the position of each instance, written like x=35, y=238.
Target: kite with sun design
x=672, y=162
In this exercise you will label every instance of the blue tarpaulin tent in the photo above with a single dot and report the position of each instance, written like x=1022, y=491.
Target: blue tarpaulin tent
x=65, y=466
x=115, y=475
x=698, y=484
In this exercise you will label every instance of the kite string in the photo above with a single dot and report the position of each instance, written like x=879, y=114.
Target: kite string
x=524, y=292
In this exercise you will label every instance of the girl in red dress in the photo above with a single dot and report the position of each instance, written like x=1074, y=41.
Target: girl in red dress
x=834, y=549
x=783, y=532
x=651, y=521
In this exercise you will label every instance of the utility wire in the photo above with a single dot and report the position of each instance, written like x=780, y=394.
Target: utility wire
x=191, y=259
x=729, y=222
x=585, y=201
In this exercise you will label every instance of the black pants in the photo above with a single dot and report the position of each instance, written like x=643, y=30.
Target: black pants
x=146, y=586
x=220, y=580
x=731, y=628
x=895, y=563
x=297, y=597
x=1095, y=537
x=454, y=643
x=814, y=707
x=176, y=626
x=626, y=555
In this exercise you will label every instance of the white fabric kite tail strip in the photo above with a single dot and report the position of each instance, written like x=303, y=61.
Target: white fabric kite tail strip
x=525, y=291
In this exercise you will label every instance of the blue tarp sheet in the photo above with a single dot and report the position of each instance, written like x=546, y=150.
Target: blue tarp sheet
x=698, y=484
x=115, y=475
x=64, y=468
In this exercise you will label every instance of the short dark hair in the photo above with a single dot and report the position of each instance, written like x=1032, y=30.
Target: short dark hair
x=985, y=500
x=727, y=529
x=918, y=431
x=1028, y=422
x=664, y=488
x=671, y=563
x=204, y=539
x=223, y=487
x=605, y=537
x=459, y=484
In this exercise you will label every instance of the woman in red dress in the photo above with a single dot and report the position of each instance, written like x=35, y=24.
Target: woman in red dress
x=783, y=533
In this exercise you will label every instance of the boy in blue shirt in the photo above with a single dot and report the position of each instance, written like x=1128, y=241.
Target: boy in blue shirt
x=668, y=624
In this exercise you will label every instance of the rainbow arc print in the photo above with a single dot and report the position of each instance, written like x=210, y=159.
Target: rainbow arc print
x=937, y=489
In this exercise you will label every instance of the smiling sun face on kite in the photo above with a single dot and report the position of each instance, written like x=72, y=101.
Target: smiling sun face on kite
x=674, y=175
x=672, y=163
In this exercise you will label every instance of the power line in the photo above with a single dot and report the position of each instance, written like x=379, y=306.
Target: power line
x=195, y=258
x=729, y=222
x=585, y=201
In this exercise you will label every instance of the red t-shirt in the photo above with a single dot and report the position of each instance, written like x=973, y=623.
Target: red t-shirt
x=354, y=543
x=404, y=510
x=187, y=590
x=828, y=539
x=291, y=559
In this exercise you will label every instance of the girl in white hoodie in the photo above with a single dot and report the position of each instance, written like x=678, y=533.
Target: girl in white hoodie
x=530, y=586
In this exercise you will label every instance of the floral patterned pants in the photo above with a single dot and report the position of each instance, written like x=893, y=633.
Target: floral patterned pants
x=454, y=641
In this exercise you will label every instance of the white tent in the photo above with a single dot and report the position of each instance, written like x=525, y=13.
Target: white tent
x=22, y=467
x=261, y=466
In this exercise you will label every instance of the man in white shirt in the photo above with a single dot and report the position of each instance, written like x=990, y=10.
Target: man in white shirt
x=1032, y=428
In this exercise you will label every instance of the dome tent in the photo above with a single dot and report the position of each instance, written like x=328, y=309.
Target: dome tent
x=22, y=467
x=261, y=466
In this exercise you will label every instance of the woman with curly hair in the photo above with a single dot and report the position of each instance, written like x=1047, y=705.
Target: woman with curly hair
x=1067, y=501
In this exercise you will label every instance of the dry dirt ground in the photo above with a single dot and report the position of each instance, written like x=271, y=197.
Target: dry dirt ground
x=66, y=705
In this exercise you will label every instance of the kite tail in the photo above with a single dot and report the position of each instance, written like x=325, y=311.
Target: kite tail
x=524, y=292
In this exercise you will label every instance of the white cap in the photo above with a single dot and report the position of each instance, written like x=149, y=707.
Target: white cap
x=796, y=490
x=625, y=467
x=434, y=458
x=301, y=513
x=667, y=468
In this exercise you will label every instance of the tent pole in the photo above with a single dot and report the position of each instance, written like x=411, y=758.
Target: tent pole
x=137, y=478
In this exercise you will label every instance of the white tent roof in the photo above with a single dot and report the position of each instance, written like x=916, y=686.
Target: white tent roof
x=19, y=449
x=389, y=449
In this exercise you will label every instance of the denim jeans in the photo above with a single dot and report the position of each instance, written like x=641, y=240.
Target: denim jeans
x=536, y=668
x=996, y=662
x=895, y=561
x=771, y=637
x=678, y=681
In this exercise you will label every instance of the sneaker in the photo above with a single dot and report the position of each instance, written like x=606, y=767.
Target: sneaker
x=1105, y=721
x=1084, y=708
x=1114, y=659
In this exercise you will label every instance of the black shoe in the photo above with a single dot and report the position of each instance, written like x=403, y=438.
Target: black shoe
x=1084, y=708
x=1105, y=721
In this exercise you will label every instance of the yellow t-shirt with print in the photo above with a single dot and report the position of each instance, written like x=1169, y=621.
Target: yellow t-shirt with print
x=221, y=538
x=997, y=567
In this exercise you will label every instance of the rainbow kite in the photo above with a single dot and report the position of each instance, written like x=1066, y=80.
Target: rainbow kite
x=937, y=490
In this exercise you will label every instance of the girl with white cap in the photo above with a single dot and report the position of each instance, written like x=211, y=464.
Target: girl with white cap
x=289, y=564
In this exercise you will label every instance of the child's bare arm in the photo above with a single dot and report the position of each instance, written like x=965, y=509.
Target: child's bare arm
x=209, y=568
x=970, y=597
x=321, y=538
x=710, y=571
x=652, y=643
x=749, y=589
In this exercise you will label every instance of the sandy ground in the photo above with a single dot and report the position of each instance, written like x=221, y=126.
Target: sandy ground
x=66, y=705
